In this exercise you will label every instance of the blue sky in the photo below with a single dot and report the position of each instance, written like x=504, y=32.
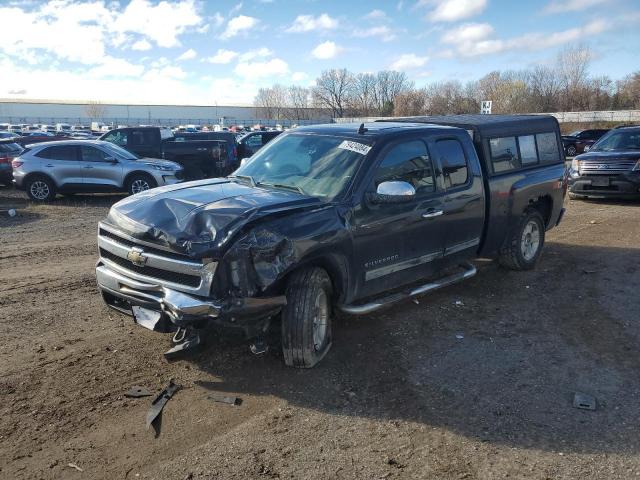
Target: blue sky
x=214, y=52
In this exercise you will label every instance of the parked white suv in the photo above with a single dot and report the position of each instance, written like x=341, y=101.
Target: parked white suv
x=91, y=166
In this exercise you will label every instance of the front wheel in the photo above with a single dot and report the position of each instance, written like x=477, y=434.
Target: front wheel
x=523, y=247
x=139, y=183
x=306, y=318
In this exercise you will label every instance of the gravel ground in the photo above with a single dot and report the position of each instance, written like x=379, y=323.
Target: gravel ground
x=472, y=382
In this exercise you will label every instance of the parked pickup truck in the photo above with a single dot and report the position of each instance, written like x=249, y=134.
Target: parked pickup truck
x=336, y=217
x=199, y=158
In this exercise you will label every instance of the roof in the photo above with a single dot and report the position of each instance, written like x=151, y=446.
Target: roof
x=372, y=129
x=488, y=125
x=67, y=142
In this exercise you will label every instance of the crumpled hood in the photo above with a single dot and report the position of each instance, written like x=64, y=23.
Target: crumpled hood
x=199, y=218
x=613, y=155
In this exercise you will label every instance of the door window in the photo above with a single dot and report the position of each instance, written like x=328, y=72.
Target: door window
x=67, y=152
x=408, y=162
x=92, y=154
x=547, y=147
x=141, y=137
x=454, y=163
x=504, y=154
x=254, y=141
x=528, y=153
x=119, y=138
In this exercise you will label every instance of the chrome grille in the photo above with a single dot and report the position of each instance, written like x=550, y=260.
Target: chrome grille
x=610, y=166
x=161, y=266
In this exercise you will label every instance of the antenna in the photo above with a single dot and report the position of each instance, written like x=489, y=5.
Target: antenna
x=361, y=130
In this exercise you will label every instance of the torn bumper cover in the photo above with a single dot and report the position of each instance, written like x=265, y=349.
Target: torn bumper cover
x=177, y=309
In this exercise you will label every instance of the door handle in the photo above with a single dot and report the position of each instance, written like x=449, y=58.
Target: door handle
x=48, y=165
x=432, y=213
x=88, y=166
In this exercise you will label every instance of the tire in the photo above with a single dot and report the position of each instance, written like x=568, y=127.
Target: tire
x=40, y=189
x=523, y=247
x=571, y=151
x=306, y=318
x=139, y=182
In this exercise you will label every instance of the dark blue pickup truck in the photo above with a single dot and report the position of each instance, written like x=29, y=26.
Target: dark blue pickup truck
x=348, y=217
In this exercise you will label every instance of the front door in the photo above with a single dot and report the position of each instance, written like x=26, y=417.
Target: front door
x=399, y=243
x=101, y=170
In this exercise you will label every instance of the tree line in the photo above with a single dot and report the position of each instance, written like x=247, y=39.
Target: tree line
x=566, y=85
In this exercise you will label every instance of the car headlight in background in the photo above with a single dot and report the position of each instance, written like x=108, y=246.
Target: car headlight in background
x=164, y=168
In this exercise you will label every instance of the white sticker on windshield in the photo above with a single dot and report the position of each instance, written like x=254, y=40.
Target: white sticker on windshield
x=360, y=148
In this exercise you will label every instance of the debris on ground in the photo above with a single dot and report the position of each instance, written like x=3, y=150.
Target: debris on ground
x=459, y=336
x=224, y=399
x=73, y=465
x=137, y=391
x=154, y=415
x=458, y=303
x=584, y=401
x=586, y=272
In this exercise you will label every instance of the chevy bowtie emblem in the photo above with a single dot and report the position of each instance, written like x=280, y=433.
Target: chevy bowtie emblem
x=136, y=256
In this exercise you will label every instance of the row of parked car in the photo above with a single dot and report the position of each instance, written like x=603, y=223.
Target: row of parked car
x=130, y=159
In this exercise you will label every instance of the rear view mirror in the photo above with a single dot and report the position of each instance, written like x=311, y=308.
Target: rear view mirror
x=393, y=192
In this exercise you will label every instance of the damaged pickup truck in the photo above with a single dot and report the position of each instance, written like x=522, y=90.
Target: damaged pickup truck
x=336, y=217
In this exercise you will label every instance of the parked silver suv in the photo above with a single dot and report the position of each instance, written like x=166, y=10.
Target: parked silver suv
x=71, y=166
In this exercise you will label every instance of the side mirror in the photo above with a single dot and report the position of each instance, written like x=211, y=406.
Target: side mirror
x=393, y=192
x=587, y=148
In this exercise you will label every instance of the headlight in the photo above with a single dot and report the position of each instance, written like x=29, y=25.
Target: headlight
x=575, y=165
x=164, y=168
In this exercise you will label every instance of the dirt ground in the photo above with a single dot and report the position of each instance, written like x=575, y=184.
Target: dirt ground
x=472, y=382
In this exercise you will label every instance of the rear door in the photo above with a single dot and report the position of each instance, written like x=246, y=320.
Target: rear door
x=62, y=163
x=399, y=243
x=101, y=170
x=463, y=206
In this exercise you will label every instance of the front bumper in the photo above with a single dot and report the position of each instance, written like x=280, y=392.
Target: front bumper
x=626, y=185
x=179, y=309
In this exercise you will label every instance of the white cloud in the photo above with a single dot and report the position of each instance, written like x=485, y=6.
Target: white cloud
x=326, y=50
x=382, y=31
x=187, y=55
x=258, y=70
x=262, y=52
x=217, y=20
x=235, y=9
x=308, y=23
x=469, y=32
x=453, y=10
x=116, y=68
x=141, y=45
x=408, y=61
x=162, y=22
x=222, y=56
x=237, y=25
x=560, y=6
x=299, y=76
x=476, y=46
x=376, y=14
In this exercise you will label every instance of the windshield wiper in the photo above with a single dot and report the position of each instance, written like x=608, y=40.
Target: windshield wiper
x=245, y=177
x=295, y=188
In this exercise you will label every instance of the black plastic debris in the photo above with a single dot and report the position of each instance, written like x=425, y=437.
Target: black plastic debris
x=224, y=399
x=137, y=391
x=584, y=401
x=154, y=415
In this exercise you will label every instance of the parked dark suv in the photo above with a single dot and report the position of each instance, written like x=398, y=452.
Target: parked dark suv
x=575, y=142
x=611, y=168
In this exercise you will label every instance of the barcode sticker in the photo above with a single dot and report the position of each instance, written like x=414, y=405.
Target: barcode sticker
x=360, y=148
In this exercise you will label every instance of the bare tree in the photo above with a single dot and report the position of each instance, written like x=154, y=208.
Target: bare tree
x=95, y=110
x=271, y=102
x=389, y=84
x=628, y=91
x=363, y=95
x=410, y=103
x=332, y=90
x=573, y=70
x=298, y=103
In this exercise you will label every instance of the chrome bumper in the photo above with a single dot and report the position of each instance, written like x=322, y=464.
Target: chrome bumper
x=179, y=307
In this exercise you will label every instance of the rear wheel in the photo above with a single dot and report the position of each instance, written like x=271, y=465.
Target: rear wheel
x=139, y=182
x=306, y=318
x=524, y=245
x=41, y=189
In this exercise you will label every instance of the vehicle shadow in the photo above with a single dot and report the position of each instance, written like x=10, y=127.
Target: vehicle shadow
x=496, y=359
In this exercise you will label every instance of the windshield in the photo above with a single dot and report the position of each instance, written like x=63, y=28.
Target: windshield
x=120, y=152
x=618, y=140
x=316, y=165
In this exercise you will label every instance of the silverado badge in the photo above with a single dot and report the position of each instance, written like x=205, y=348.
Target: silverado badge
x=136, y=256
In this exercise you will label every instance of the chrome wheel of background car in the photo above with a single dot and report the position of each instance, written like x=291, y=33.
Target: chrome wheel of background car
x=39, y=190
x=139, y=185
x=320, y=321
x=571, y=151
x=530, y=240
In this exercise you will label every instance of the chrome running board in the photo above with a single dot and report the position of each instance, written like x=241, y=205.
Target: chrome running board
x=468, y=271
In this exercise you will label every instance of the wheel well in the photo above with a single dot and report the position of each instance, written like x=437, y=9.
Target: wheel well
x=136, y=172
x=544, y=205
x=31, y=175
x=333, y=269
